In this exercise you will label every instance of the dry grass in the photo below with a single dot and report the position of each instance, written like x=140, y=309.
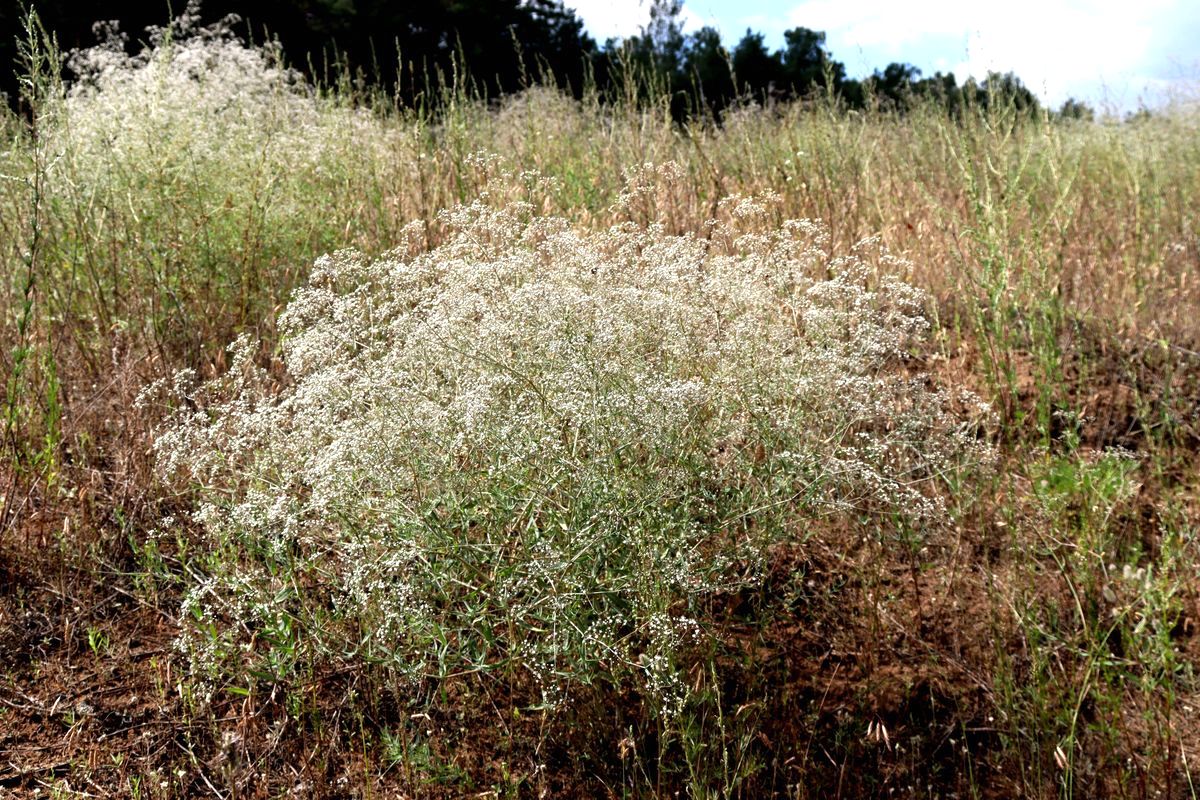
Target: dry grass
x=1043, y=643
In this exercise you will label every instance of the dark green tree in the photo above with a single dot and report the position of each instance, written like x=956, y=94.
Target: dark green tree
x=650, y=64
x=493, y=45
x=1005, y=90
x=498, y=46
x=807, y=66
x=709, y=67
x=757, y=72
x=894, y=87
x=1074, y=109
x=942, y=89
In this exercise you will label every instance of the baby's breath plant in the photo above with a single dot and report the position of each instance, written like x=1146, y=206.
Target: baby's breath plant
x=183, y=180
x=533, y=451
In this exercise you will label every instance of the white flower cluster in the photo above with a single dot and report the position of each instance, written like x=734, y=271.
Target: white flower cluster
x=531, y=448
x=204, y=156
x=197, y=91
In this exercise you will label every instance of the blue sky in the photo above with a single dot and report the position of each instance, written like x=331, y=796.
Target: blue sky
x=1116, y=54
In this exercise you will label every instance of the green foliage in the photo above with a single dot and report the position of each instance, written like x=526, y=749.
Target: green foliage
x=1074, y=109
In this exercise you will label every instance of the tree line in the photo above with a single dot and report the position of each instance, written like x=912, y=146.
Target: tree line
x=494, y=47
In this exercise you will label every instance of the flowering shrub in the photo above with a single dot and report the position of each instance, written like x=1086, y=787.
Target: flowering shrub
x=198, y=104
x=535, y=450
x=184, y=180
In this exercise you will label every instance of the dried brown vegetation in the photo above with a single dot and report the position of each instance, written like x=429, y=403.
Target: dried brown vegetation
x=1041, y=641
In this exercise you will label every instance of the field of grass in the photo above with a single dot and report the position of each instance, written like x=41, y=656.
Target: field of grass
x=550, y=448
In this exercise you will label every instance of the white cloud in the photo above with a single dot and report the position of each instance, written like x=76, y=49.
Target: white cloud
x=611, y=18
x=694, y=17
x=607, y=19
x=1119, y=51
x=1055, y=46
